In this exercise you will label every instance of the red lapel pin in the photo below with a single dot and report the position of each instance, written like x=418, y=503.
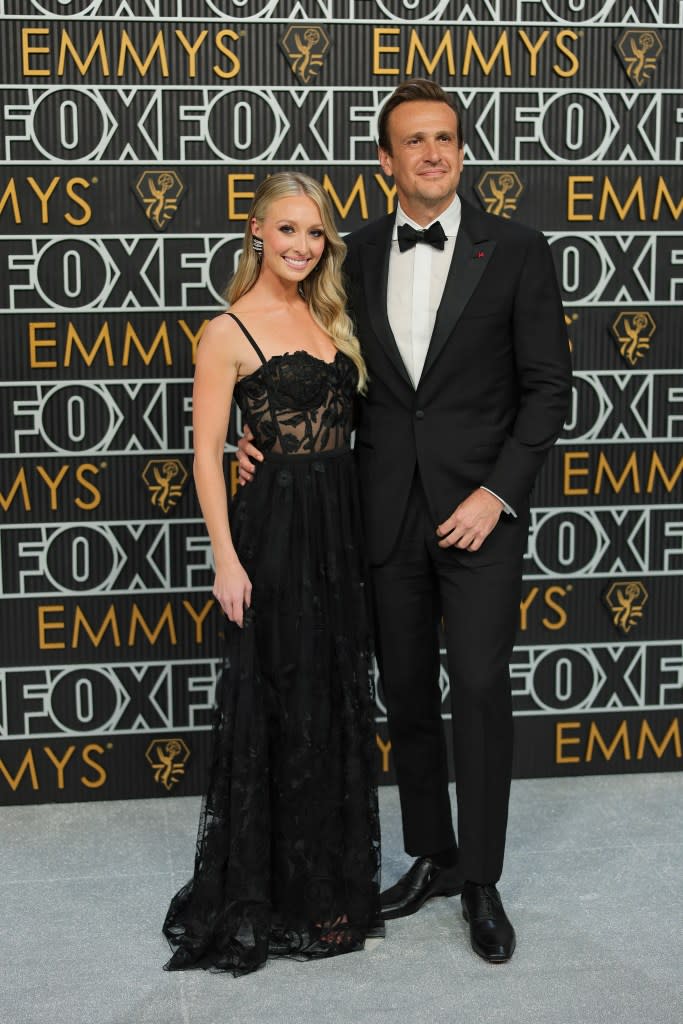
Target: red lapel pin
x=479, y=255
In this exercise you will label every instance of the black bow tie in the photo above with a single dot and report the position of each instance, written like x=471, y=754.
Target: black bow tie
x=409, y=236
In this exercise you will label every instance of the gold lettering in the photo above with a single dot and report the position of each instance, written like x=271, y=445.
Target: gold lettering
x=60, y=765
x=10, y=195
x=98, y=47
x=165, y=619
x=663, y=193
x=18, y=485
x=656, y=468
x=88, y=357
x=108, y=622
x=636, y=194
x=358, y=191
x=378, y=48
x=234, y=477
x=71, y=184
x=561, y=620
x=127, y=46
x=233, y=195
x=191, y=49
x=604, y=469
x=43, y=196
x=101, y=777
x=574, y=197
x=524, y=606
x=561, y=740
x=533, y=48
x=595, y=736
x=227, y=33
x=27, y=765
x=389, y=191
x=472, y=48
x=385, y=748
x=569, y=472
x=673, y=733
x=88, y=506
x=192, y=338
x=566, y=33
x=52, y=484
x=415, y=47
x=636, y=199
x=44, y=625
x=27, y=49
x=34, y=343
x=548, y=599
x=160, y=338
x=198, y=618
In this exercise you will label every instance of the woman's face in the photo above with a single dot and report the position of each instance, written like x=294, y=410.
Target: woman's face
x=293, y=237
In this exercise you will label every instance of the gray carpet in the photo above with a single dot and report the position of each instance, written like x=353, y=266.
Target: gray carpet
x=592, y=884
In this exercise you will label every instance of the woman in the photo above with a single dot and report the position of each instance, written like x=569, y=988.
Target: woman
x=288, y=850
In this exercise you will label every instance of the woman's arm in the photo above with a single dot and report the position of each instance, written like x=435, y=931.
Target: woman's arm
x=214, y=383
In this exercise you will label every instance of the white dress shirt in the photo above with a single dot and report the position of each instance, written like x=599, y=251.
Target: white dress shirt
x=417, y=278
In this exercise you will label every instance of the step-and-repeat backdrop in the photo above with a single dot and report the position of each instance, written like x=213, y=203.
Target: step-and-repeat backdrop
x=133, y=135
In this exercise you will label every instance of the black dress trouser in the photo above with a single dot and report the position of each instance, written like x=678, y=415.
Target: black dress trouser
x=477, y=594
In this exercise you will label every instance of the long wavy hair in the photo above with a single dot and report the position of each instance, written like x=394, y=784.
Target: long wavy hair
x=322, y=288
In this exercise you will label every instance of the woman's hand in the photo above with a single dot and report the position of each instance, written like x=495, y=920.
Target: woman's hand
x=232, y=590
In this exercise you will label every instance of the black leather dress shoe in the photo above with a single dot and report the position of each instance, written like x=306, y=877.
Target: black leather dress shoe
x=421, y=882
x=491, y=934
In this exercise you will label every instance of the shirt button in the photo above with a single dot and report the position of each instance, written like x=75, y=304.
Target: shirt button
x=419, y=415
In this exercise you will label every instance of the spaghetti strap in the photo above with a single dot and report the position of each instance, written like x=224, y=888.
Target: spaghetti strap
x=248, y=336
x=266, y=370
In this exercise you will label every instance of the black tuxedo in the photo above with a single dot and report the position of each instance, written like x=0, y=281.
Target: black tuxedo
x=488, y=406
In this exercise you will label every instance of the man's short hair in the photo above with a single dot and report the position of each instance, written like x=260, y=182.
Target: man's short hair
x=414, y=89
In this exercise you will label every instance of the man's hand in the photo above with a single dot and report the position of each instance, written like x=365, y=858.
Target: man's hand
x=247, y=455
x=471, y=523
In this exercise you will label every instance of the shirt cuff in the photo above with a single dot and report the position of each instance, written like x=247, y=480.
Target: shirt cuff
x=506, y=508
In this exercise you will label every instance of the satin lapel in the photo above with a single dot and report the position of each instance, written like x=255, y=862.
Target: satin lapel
x=470, y=260
x=374, y=258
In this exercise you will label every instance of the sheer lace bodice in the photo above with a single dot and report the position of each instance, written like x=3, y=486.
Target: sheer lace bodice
x=298, y=404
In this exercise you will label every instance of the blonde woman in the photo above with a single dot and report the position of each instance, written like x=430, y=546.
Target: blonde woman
x=287, y=857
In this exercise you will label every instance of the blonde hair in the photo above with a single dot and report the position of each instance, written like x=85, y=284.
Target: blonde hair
x=322, y=288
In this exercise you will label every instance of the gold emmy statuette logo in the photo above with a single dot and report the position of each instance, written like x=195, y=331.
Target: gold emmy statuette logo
x=626, y=601
x=168, y=759
x=499, y=192
x=159, y=193
x=165, y=479
x=305, y=47
x=639, y=52
x=633, y=333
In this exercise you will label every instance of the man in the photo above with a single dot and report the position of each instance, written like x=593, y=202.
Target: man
x=462, y=329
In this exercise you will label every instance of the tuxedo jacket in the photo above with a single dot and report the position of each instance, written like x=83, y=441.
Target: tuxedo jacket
x=494, y=390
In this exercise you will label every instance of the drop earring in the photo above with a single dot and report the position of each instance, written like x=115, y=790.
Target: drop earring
x=257, y=246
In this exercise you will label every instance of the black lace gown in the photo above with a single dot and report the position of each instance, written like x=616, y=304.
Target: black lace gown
x=288, y=851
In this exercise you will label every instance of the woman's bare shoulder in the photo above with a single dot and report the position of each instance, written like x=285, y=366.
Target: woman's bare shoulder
x=221, y=337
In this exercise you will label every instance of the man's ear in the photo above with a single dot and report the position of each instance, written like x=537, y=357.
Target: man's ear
x=385, y=161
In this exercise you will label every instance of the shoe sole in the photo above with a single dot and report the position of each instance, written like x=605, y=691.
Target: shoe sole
x=393, y=915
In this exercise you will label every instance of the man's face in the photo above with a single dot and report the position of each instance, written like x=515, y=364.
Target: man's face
x=425, y=160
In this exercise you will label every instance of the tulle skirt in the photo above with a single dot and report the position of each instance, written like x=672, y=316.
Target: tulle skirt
x=288, y=850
